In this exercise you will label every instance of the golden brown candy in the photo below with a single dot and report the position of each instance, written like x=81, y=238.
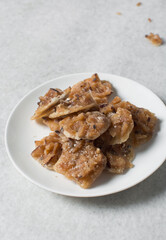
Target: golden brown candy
x=49, y=100
x=144, y=121
x=88, y=125
x=48, y=150
x=74, y=103
x=121, y=125
x=119, y=157
x=81, y=162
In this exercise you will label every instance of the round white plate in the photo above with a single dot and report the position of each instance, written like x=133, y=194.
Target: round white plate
x=21, y=132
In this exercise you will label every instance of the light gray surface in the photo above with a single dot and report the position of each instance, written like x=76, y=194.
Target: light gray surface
x=40, y=40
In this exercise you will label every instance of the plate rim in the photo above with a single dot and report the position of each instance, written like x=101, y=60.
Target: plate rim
x=74, y=194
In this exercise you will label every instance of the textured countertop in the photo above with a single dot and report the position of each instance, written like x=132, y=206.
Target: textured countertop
x=41, y=40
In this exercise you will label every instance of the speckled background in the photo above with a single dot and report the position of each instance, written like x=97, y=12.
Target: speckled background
x=40, y=40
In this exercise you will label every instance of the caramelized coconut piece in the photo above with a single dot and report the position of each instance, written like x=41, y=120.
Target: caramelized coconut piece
x=88, y=125
x=48, y=150
x=99, y=89
x=101, y=101
x=80, y=87
x=74, y=103
x=144, y=126
x=144, y=121
x=53, y=124
x=119, y=157
x=120, y=128
x=81, y=162
x=111, y=107
x=49, y=100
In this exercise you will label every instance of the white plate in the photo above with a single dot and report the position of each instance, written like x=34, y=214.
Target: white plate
x=21, y=133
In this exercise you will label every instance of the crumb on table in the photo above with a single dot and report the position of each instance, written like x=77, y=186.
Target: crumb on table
x=119, y=13
x=154, y=39
x=138, y=4
x=149, y=19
